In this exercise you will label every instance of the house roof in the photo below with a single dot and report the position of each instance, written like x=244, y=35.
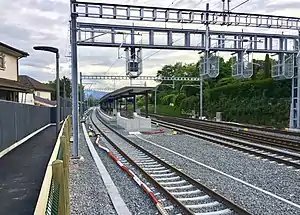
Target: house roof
x=44, y=102
x=33, y=84
x=6, y=84
x=12, y=51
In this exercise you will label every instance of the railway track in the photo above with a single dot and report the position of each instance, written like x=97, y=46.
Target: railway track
x=186, y=194
x=275, y=154
x=271, y=130
x=252, y=136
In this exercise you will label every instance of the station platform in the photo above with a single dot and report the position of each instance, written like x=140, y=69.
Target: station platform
x=22, y=172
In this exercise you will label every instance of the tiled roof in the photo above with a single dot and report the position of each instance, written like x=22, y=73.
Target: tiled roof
x=34, y=84
x=7, y=84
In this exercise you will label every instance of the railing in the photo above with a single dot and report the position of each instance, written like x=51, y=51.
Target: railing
x=54, y=195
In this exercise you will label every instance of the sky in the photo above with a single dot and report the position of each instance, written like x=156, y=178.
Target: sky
x=26, y=23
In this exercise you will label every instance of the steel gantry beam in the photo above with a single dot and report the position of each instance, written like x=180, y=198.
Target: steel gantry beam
x=218, y=40
x=152, y=78
x=176, y=15
x=214, y=40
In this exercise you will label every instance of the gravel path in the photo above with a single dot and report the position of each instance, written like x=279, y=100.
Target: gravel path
x=137, y=201
x=88, y=194
x=277, y=179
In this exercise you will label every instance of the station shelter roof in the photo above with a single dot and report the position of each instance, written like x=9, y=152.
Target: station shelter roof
x=127, y=92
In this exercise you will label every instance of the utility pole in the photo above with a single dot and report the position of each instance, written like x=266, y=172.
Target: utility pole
x=205, y=63
x=74, y=79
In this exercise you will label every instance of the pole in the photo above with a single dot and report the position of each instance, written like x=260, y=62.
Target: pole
x=205, y=63
x=155, y=96
x=146, y=104
x=201, y=96
x=74, y=81
x=81, y=95
x=298, y=84
x=57, y=94
x=64, y=109
x=134, y=103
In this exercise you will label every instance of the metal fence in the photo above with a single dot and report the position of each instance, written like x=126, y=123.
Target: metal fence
x=19, y=120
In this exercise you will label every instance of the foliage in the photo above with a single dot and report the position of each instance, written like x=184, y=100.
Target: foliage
x=64, y=83
x=168, y=99
x=179, y=98
x=267, y=67
x=259, y=100
x=165, y=110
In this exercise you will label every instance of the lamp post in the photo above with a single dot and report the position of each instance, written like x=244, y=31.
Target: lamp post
x=54, y=50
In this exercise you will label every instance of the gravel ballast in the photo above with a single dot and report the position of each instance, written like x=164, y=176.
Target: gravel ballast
x=137, y=201
x=279, y=180
x=88, y=194
x=272, y=177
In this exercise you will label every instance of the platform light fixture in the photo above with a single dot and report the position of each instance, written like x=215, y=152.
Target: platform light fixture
x=56, y=51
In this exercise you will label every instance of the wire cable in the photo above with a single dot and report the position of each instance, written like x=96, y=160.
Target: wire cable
x=172, y=3
x=239, y=5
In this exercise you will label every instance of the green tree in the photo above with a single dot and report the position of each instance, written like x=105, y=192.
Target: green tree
x=64, y=82
x=267, y=67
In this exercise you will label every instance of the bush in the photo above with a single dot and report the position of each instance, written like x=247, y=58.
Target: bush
x=262, y=102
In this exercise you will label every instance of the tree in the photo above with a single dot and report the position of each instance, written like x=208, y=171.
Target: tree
x=267, y=67
x=64, y=81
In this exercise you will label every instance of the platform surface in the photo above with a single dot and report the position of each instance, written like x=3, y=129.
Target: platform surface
x=22, y=172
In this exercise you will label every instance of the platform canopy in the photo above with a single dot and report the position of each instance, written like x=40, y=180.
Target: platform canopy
x=127, y=92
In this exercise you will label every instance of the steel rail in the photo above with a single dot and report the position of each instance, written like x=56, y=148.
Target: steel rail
x=267, y=139
x=192, y=181
x=236, y=144
x=147, y=176
x=261, y=128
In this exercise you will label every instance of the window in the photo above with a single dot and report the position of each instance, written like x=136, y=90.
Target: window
x=2, y=61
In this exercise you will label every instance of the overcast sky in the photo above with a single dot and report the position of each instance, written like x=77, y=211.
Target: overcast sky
x=25, y=23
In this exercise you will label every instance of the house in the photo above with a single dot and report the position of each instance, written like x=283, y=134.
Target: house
x=40, y=93
x=10, y=87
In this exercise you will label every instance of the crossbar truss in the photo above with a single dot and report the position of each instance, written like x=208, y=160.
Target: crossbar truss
x=191, y=39
x=153, y=78
x=176, y=15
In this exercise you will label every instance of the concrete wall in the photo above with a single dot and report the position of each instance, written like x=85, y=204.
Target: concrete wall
x=43, y=94
x=11, y=68
x=144, y=124
x=127, y=124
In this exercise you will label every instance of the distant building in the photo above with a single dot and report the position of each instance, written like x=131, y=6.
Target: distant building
x=40, y=94
x=10, y=87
